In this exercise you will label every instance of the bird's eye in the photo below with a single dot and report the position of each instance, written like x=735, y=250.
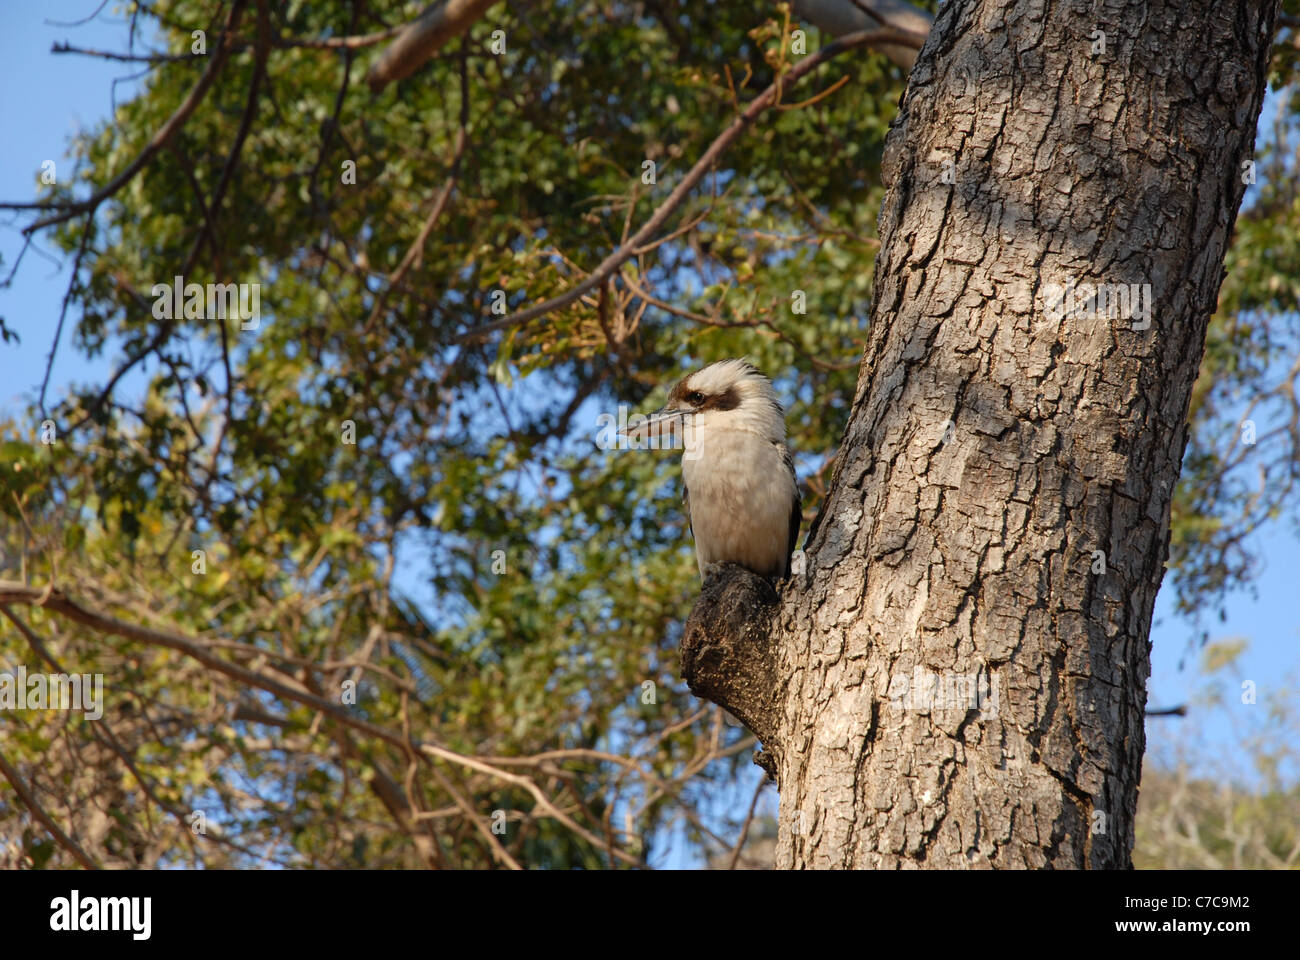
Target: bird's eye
x=695, y=397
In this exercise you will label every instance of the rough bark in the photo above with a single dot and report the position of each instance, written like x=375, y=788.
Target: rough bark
x=728, y=654
x=994, y=454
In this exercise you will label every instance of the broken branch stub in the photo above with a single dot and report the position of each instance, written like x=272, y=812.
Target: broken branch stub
x=727, y=653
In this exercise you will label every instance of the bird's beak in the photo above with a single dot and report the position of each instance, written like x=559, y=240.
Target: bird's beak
x=663, y=422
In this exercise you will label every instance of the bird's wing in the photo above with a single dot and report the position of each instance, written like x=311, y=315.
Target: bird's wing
x=686, y=505
x=796, y=507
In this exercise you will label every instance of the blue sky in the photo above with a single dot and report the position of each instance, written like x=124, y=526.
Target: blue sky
x=45, y=99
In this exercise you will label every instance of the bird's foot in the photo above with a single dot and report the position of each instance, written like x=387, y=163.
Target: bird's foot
x=712, y=570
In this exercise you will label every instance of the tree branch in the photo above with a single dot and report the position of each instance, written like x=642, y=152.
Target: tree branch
x=285, y=687
x=29, y=800
x=711, y=156
x=156, y=142
x=842, y=17
x=125, y=57
x=213, y=212
x=416, y=250
x=428, y=33
x=727, y=656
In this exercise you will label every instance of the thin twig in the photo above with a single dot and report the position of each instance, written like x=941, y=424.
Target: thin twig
x=156, y=142
x=744, y=830
x=710, y=157
x=29, y=800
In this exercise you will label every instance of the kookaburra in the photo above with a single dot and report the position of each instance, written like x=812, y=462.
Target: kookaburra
x=741, y=492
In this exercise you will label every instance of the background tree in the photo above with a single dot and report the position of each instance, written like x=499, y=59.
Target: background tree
x=1194, y=811
x=505, y=595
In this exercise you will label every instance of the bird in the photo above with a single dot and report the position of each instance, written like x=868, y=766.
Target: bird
x=741, y=493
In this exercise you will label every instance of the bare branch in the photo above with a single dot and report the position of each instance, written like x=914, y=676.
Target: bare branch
x=284, y=686
x=842, y=17
x=125, y=57
x=156, y=142
x=744, y=830
x=29, y=800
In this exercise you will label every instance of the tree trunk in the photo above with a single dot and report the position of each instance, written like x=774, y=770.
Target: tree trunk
x=958, y=678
